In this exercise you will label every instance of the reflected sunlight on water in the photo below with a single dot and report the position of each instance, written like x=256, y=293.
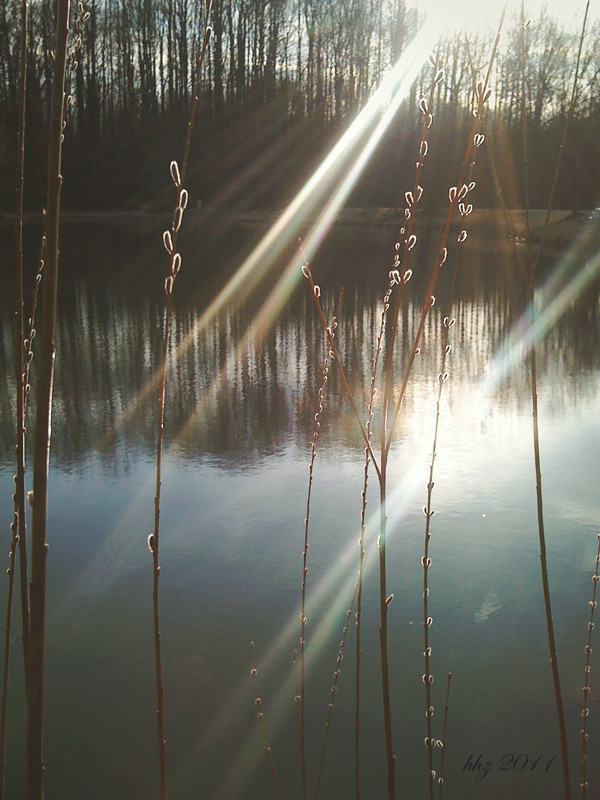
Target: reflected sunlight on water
x=239, y=425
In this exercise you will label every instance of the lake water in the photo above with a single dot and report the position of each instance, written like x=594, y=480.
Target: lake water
x=240, y=404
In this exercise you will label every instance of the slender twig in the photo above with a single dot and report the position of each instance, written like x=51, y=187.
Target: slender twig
x=536, y=444
x=430, y=742
x=540, y=512
x=39, y=545
x=260, y=717
x=170, y=237
x=19, y=524
x=564, y=137
x=544, y=569
x=303, y=619
x=403, y=248
x=529, y=279
x=407, y=243
x=408, y=238
x=7, y=632
x=509, y=226
x=457, y=194
x=298, y=696
x=442, y=742
x=306, y=271
x=586, y=685
x=22, y=370
x=524, y=106
x=334, y=689
x=465, y=211
x=363, y=527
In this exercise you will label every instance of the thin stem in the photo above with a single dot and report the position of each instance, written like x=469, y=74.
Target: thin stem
x=313, y=455
x=586, y=685
x=170, y=242
x=545, y=583
x=334, y=689
x=260, y=717
x=430, y=742
x=509, y=227
x=407, y=243
x=19, y=524
x=563, y=140
x=529, y=279
x=6, y=663
x=39, y=545
x=536, y=445
x=332, y=346
x=458, y=195
x=22, y=371
x=408, y=239
x=154, y=548
x=524, y=134
x=363, y=530
x=384, y=602
x=443, y=740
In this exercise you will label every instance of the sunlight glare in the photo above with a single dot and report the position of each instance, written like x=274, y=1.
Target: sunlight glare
x=474, y=16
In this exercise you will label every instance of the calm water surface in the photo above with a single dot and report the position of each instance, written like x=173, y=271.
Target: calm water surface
x=240, y=408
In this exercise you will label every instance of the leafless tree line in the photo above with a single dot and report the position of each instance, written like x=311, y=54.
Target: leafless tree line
x=275, y=66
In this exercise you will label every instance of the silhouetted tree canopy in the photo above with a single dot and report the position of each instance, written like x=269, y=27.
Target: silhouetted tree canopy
x=283, y=78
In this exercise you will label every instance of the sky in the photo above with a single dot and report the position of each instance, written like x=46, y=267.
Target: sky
x=472, y=14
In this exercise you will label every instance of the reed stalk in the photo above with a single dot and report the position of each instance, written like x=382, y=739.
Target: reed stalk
x=39, y=544
x=170, y=237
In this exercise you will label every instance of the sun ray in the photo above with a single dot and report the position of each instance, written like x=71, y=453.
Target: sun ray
x=550, y=304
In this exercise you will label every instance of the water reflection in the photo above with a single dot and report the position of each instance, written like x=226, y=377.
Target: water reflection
x=240, y=416
x=235, y=397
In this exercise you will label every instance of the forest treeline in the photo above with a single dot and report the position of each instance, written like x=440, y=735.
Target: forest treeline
x=282, y=80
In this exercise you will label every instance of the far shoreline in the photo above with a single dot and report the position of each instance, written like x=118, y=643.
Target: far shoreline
x=564, y=225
